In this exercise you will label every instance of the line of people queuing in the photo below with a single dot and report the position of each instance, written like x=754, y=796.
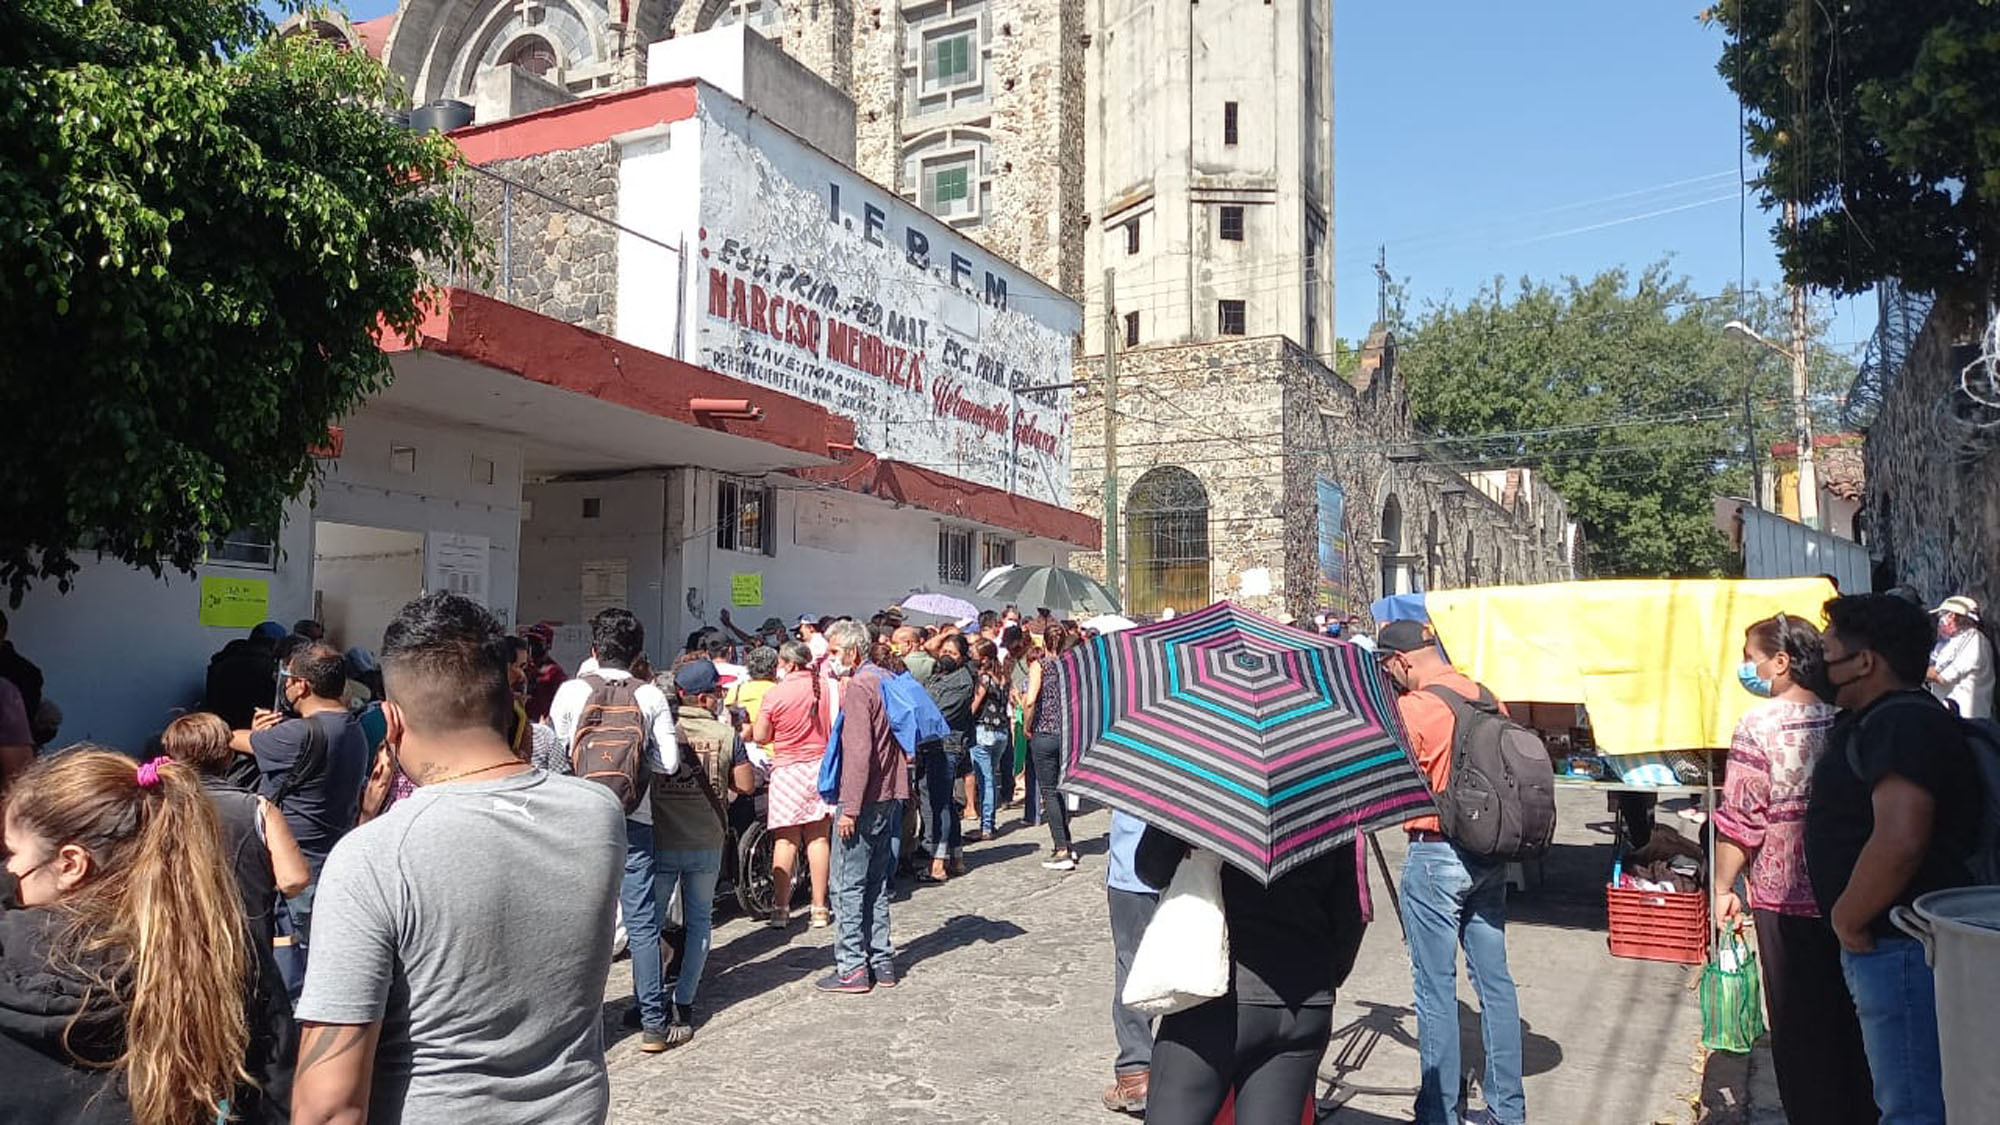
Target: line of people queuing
x=328, y=895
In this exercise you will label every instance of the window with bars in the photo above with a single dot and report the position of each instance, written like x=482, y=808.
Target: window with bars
x=1229, y=318
x=1166, y=542
x=948, y=59
x=1131, y=330
x=246, y=546
x=743, y=517
x=994, y=551
x=955, y=556
x=1229, y=123
x=1231, y=224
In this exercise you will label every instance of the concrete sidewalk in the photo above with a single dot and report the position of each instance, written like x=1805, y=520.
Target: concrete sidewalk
x=1002, y=1013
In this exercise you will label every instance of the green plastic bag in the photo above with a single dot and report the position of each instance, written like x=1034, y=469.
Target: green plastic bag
x=1732, y=1004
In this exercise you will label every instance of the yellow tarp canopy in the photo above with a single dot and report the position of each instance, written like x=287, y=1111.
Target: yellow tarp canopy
x=1654, y=660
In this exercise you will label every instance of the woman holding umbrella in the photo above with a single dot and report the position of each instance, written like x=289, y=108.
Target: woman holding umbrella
x=1290, y=945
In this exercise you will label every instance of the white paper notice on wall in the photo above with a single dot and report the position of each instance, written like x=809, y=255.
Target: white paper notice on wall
x=604, y=586
x=821, y=523
x=458, y=564
x=1255, y=582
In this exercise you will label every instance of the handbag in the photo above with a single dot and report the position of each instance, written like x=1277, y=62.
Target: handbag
x=1732, y=1005
x=1183, y=957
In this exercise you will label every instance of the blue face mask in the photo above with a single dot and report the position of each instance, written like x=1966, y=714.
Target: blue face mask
x=1746, y=674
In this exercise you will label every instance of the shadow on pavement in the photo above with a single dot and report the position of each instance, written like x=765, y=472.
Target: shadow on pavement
x=956, y=932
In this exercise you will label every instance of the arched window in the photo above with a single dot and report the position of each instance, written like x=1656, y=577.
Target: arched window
x=1166, y=542
x=533, y=54
x=1395, y=574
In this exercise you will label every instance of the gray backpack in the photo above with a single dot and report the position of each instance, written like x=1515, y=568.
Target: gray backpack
x=1500, y=801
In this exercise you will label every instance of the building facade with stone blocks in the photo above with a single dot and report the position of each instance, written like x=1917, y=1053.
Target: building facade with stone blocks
x=1932, y=509
x=1230, y=456
x=559, y=259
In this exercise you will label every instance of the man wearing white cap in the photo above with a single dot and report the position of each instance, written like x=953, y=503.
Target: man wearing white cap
x=1962, y=663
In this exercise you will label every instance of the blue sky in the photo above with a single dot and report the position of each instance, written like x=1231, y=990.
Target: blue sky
x=1560, y=137
x=1565, y=136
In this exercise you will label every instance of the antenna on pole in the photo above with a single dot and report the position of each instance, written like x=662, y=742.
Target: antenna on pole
x=1382, y=285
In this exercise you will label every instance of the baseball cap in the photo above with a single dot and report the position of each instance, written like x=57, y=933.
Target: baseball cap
x=808, y=619
x=1404, y=636
x=697, y=677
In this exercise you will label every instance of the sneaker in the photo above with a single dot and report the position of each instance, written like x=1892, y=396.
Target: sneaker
x=853, y=982
x=885, y=975
x=682, y=1029
x=779, y=919
x=822, y=917
x=652, y=1042
x=1060, y=861
x=1128, y=1093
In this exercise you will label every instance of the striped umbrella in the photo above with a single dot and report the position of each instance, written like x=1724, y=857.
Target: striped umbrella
x=1263, y=743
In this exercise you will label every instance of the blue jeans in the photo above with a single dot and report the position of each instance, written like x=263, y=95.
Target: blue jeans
x=639, y=898
x=862, y=868
x=1451, y=898
x=1895, y=998
x=989, y=743
x=694, y=872
x=944, y=835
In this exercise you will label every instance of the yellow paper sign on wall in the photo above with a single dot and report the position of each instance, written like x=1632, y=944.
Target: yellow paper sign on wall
x=234, y=603
x=746, y=589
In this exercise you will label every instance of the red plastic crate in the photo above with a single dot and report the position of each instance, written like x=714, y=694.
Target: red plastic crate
x=1658, y=925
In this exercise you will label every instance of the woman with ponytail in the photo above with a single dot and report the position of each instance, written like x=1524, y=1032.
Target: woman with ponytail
x=795, y=720
x=124, y=960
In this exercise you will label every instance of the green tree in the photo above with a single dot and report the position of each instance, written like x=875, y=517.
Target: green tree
x=1881, y=119
x=1623, y=392
x=202, y=229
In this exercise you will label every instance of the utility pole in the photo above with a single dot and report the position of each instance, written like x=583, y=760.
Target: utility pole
x=1801, y=395
x=1382, y=285
x=1111, y=561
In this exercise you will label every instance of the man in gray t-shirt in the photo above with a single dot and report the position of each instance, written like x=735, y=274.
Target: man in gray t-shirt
x=471, y=920
x=460, y=944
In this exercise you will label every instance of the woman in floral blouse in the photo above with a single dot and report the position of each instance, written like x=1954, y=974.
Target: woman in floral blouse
x=1815, y=1038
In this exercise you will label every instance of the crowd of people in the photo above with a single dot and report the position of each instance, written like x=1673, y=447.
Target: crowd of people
x=275, y=914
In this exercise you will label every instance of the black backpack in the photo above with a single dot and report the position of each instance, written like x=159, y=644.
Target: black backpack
x=1500, y=801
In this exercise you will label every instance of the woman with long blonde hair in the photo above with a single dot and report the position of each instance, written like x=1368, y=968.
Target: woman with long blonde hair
x=124, y=960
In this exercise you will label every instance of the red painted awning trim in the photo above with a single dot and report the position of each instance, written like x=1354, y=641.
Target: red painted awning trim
x=946, y=495
x=576, y=124
x=495, y=334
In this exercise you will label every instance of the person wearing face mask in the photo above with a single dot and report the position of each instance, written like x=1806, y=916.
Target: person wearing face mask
x=952, y=685
x=1893, y=813
x=1961, y=671
x=1760, y=833
x=874, y=783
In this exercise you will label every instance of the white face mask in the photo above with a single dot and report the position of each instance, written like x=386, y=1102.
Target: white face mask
x=836, y=666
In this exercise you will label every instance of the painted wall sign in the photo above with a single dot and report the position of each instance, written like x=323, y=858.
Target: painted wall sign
x=818, y=283
x=234, y=603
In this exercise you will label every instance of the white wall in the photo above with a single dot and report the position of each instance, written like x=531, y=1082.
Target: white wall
x=658, y=175
x=363, y=488
x=361, y=577
x=123, y=649
x=558, y=544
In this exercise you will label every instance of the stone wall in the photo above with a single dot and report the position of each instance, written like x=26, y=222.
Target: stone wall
x=563, y=260
x=1259, y=422
x=1933, y=473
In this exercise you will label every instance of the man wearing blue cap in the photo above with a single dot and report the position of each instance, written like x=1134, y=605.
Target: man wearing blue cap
x=690, y=818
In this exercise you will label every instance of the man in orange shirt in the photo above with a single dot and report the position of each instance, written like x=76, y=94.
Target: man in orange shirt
x=1451, y=896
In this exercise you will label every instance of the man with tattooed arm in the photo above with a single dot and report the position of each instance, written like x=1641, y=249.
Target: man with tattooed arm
x=459, y=953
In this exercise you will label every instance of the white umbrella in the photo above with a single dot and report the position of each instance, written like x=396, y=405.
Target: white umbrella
x=1109, y=623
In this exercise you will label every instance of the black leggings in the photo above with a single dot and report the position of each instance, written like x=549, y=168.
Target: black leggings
x=1047, y=751
x=1267, y=1054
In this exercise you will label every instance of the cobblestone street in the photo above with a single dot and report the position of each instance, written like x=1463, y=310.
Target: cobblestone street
x=1001, y=1013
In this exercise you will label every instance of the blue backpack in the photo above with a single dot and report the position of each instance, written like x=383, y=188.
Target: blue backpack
x=913, y=717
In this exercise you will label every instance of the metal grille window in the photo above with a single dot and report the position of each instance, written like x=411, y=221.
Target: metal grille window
x=1229, y=318
x=1229, y=123
x=246, y=546
x=995, y=551
x=1131, y=330
x=955, y=556
x=1232, y=224
x=947, y=188
x=1166, y=533
x=743, y=516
